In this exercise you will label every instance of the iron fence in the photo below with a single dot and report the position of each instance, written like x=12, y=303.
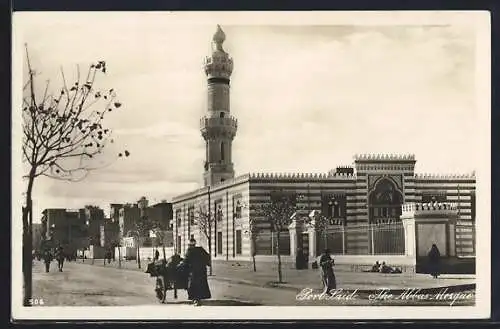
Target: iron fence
x=267, y=244
x=382, y=239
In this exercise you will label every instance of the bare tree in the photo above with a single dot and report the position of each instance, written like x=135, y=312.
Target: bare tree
x=63, y=135
x=278, y=213
x=204, y=222
x=253, y=231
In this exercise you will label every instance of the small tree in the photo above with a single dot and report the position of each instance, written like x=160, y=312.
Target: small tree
x=204, y=222
x=321, y=224
x=142, y=226
x=253, y=232
x=159, y=228
x=278, y=212
x=63, y=134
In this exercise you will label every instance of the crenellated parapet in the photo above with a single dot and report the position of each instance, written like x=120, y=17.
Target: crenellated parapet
x=190, y=195
x=432, y=209
x=230, y=182
x=384, y=157
x=431, y=176
x=303, y=176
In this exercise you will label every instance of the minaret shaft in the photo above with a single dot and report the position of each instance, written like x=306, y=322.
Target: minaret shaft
x=218, y=127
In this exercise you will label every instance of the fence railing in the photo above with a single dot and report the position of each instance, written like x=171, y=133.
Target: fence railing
x=266, y=243
x=382, y=239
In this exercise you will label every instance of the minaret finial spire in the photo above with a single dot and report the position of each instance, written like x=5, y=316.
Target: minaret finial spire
x=219, y=38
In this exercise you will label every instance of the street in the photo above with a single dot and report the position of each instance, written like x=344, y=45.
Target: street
x=88, y=285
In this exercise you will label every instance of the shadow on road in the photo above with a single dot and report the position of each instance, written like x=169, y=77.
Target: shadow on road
x=217, y=302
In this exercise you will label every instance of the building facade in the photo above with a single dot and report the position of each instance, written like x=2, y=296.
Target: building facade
x=371, y=194
x=151, y=215
x=357, y=200
x=65, y=227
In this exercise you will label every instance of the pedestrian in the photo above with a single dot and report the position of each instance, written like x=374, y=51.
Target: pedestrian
x=60, y=257
x=195, y=262
x=47, y=259
x=434, y=257
x=326, y=263
x=157, y=255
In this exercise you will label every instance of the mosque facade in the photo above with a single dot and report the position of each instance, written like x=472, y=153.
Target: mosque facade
x=363, y=203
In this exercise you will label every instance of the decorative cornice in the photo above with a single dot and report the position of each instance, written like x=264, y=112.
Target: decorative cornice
x=432, y=208
x=303, y=176
x=384, y=157
x=430, y=176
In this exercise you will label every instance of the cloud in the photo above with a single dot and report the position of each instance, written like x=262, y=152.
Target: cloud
x=306, y=98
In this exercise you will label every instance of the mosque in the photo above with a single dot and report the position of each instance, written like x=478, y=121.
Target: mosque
x=378, y=208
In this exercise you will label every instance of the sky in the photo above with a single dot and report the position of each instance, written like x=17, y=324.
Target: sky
x=307, y=97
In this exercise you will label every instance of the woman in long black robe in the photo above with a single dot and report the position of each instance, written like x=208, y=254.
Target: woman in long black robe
x=434, y=261
x=196, y=261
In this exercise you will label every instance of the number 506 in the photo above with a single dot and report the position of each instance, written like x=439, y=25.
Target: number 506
x=36, y=301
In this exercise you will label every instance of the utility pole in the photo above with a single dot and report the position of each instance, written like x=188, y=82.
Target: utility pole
x=227, y=225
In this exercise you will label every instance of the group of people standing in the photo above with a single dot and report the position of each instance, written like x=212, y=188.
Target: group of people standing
x=49, y=255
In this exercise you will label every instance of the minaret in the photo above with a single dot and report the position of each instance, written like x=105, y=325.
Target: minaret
x=218, y=127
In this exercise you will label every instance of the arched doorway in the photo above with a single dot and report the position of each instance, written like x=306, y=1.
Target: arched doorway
x=385, y=230
x=384, y=201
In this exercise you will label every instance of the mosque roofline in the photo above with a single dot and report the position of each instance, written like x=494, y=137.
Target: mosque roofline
x=378, y=157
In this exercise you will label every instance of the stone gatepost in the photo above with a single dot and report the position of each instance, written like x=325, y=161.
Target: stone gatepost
x=426, y=224
x=313, y=240
x=408, y=219
x=295, y=228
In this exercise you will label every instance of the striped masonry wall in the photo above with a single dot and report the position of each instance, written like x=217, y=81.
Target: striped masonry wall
x=459, y=190
x=254, y=189
x=224, y=224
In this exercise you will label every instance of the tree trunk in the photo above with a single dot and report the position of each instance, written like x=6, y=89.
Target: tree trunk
x=119, y=256
x=254, y=252
x=164, y=254
x=280, y=275
x=210, y=253
x=27, y=260
x=138, y=255
x=27, y=241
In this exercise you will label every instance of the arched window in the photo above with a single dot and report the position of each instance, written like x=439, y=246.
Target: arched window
x=222, y=155
x=222, y=114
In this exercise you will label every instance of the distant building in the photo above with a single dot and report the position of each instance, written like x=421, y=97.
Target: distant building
x=109, y=233
x=130, y=214
x=65, y=227
x=94, y=218
x=162, y=214
x=114, y=213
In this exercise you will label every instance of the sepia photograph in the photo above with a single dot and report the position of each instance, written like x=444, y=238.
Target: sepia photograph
x=251, y=165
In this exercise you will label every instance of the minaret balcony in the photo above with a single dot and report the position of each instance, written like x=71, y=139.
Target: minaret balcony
x=220, y=167
x=229, y=123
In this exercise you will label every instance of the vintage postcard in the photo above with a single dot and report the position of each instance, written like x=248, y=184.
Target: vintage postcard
x=251, y=165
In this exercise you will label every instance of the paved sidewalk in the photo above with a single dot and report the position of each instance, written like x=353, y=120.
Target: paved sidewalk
x=266, y=276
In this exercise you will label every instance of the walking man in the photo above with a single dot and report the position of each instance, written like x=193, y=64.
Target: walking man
x=60, y=258
x=196, y=261
x=47, y=259
x=326, y=263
